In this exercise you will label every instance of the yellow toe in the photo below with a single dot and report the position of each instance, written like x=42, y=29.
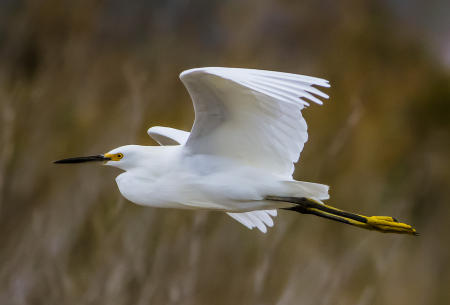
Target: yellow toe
x=390, y=224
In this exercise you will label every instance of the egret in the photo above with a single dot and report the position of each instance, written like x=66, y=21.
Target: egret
x=239, y=156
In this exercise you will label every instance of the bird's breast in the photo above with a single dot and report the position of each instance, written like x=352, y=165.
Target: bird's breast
x=144, y=191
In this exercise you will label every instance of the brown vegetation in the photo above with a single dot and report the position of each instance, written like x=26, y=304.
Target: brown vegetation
x=82, y=77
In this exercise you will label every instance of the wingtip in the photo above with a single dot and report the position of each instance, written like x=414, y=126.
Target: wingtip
x=198, y=70
x=326, y=84
x=263, y=231
x=189, y=71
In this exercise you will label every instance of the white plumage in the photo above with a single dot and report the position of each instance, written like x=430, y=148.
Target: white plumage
x=248, y=133
x=252, y=219
x=239, y=156
x=271, y=123
x=251, y=115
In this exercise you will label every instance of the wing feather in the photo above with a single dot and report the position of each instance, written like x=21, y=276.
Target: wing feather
x=251, y=115
x=260, y=219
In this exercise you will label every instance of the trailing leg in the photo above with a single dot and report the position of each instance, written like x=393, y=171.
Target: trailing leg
x=383, y=224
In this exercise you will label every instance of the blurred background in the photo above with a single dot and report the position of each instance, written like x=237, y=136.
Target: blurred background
x=83, y=77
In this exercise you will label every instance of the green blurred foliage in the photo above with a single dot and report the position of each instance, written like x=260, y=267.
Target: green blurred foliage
x=82, y=77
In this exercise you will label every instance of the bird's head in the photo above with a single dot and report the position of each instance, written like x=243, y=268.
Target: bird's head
x=124, y=157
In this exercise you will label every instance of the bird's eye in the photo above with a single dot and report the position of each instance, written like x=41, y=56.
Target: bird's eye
x=119, y=156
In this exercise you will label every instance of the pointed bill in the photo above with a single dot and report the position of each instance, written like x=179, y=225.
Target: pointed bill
x=83, y=159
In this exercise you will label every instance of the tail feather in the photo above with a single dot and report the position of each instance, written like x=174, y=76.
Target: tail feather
x=307, y=189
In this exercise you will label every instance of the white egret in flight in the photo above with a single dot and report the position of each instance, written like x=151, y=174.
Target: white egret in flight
x=239, y=156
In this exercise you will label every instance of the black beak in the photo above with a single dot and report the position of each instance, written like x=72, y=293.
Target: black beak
x=83, y=159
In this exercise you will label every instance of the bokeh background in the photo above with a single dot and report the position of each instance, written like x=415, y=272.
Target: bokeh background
x=82, y=77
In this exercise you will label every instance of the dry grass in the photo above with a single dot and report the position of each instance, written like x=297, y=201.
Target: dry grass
x=82, y=77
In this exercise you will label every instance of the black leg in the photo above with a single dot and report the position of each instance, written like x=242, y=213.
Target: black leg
x=385, y=224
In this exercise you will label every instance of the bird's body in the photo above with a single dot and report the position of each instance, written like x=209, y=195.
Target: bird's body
x=239, y=156
x=182, y=180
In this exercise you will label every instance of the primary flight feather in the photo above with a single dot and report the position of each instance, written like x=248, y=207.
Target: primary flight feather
x=239, y=156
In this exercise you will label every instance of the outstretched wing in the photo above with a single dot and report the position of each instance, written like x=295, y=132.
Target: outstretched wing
x=253, y=116
x=167, y=135
x=260, y=219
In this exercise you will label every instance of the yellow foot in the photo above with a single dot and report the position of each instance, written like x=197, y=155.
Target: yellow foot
x=389, y=225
